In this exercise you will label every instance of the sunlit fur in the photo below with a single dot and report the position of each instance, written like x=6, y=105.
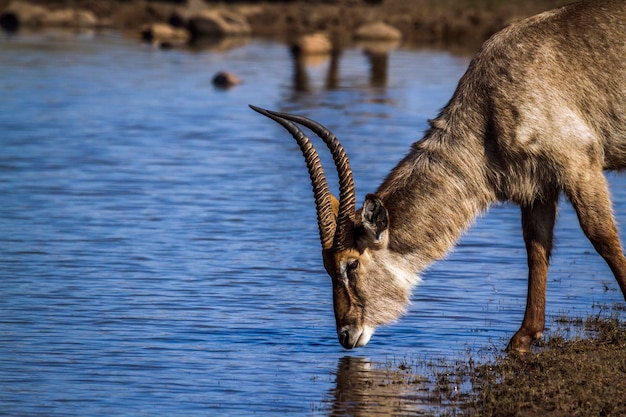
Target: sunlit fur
x=540, y=111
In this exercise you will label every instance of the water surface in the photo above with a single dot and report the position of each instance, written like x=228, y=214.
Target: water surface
x=159, y=252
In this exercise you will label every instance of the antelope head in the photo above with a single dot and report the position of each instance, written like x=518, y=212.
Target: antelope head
x=369, y=288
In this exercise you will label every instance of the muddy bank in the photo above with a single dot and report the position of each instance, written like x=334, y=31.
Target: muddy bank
x=567, y=377
x=578, y=370
x=443, y=22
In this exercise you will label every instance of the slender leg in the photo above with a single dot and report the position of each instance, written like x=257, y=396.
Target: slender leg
x=538, y=225
x=592, y=203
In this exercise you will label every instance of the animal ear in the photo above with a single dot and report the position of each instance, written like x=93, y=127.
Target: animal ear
x=375, y=219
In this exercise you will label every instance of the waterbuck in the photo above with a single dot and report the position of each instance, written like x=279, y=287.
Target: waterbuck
x=540, y=111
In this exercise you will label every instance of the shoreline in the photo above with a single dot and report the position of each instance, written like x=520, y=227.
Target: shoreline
x=443, y=23
x=579, y=368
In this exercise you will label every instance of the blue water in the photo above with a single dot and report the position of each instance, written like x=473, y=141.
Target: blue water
x=159, y=253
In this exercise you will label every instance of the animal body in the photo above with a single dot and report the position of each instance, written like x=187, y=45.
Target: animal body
x=540, y=112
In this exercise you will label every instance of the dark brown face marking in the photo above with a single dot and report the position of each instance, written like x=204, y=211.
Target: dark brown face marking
x=347, y=299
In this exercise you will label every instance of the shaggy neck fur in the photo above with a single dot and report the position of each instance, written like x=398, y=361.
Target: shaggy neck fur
x=436, y=192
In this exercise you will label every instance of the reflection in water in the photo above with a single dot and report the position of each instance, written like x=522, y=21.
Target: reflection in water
x=377, y=54
x=219, y=44
x=332, y=76
x=301, y=78
x=378, y=68
x=364, y=389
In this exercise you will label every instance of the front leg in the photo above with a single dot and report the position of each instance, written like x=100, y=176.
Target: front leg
x=538, y=227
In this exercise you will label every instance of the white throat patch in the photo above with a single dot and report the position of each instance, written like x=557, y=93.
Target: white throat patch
x=406, y=277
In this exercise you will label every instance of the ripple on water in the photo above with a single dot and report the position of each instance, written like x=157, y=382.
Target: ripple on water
x=158, y=243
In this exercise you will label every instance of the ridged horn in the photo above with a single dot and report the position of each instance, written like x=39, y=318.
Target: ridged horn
x=326, y=220
x=344, y=235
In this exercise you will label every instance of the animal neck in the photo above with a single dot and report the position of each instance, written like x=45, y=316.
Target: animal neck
x=434, y=194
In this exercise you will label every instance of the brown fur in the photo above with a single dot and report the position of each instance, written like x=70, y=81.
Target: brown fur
x=541, y=110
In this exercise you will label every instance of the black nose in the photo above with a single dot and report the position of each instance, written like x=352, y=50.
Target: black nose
x=344, y=339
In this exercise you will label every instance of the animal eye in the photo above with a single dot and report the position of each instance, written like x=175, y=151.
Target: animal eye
x=353, y=264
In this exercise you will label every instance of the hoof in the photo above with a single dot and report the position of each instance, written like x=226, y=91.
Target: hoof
x=521, y=342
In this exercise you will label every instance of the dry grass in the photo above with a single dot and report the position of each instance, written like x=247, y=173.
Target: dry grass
x=581, y=377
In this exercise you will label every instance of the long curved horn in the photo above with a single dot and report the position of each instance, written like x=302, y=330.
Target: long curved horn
x=344, y=236
x=325, y=217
